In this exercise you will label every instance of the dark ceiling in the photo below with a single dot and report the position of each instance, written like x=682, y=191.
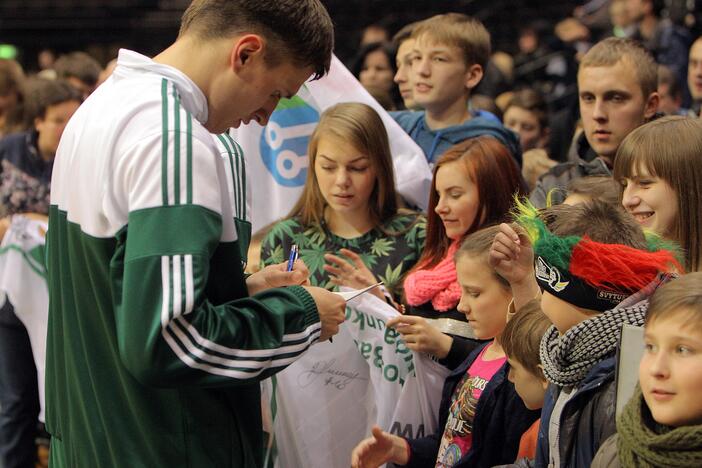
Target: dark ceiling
x=102, y=26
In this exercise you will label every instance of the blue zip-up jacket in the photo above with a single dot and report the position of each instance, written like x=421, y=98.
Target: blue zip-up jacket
x=587, y=420
x=435, y=142
x=499, y=423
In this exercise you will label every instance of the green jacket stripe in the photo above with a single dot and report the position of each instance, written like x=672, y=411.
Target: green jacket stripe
x=240, y=175
x=189, y=156
x=164, y=141
x=176, y=148
x=226, y=142
x=243, y=178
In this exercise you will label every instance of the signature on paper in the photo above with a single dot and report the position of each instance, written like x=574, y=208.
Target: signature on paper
x=324, y=369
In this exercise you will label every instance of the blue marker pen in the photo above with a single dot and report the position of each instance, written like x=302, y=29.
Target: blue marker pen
x=292, y=257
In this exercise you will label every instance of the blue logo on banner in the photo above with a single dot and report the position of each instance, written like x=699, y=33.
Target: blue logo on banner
x=284, y=142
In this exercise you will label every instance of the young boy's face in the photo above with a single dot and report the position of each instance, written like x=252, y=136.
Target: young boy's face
x=612, y=104
x=563, y=315
x=526, y=124
x=694, y=70
x=51, y=126
x=440, y=75
x=670, y=372
x=531, y=388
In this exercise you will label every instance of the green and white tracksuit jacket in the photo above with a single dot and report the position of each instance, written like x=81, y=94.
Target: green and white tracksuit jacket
x=155, y=349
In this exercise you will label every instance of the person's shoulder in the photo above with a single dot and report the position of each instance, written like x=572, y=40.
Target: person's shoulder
x=155, y=118
x=408, y=217
x=564, y=172
x=600, y=379
x=607, y=456
x=284, y=229
x=408, y=222
x=13, y=142
x=407, y=119
x=471, y=358
x=14, y=147
x=487, y=115
x=560, y=170
x=482, y=125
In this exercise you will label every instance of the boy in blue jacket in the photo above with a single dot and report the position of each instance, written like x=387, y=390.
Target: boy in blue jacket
x=448, y=59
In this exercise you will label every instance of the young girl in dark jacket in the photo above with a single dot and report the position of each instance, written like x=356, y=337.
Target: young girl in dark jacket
x=481, y=418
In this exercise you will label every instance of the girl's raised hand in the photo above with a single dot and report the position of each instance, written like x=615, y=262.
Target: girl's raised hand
x=511, y=254
x=354, y=274
x=379, y=449
x=419, y=335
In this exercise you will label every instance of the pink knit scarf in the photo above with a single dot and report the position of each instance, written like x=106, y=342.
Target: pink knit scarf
x=438, y=284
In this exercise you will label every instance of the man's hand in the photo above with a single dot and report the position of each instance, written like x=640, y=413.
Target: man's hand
x=331, y=308
x=419, y=335
x=379, y=449
x=276, y=276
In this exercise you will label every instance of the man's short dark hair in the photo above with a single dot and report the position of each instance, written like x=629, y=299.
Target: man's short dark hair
x=43, y=93
x=78, y=65
x=300, y=30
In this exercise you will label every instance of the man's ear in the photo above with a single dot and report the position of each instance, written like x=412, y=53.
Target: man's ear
x=473, y=76
x=651, y=105
x=245, y=49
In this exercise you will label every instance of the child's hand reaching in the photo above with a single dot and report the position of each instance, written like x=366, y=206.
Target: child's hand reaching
x=511, y=254
x=379, y=449
x=419, y=335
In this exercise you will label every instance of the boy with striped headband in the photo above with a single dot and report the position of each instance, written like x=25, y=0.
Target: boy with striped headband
x=596, y=269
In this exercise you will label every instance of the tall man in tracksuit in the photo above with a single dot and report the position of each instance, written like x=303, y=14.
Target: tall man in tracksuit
x=157, y=342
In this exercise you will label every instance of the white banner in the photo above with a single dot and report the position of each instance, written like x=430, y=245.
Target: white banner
x=327, y=401
x=23, y=283
x=276, y=156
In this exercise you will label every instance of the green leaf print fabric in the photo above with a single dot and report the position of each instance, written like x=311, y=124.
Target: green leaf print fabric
x=388, y=251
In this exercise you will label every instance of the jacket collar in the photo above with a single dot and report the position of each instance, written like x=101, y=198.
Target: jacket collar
x=192, y=98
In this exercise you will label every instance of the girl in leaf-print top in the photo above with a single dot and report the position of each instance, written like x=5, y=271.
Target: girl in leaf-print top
x=347, y=223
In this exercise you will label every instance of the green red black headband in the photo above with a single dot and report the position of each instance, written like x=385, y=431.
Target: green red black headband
x=589, y=274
